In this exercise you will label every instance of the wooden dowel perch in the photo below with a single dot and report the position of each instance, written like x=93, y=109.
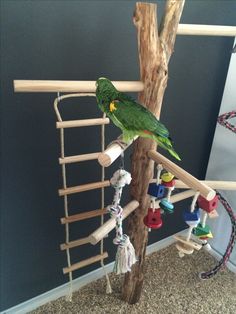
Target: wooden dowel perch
x=102, y=231
x=84, y=187
x=221, y=185
x=81, y=123
x=181, y=196
x=113, y=151
x=78, y=158
x=83, y=216
x=206, y=30
x=36, y=86
x=74, y=243
x=183, y=175
x=85, y=262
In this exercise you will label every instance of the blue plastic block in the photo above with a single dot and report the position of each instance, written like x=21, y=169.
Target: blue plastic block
x=156, y=190
x=188, y=216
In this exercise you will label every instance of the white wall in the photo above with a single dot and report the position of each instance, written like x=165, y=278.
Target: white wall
x=222, y=163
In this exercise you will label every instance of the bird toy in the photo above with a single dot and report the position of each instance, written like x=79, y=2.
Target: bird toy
x=192, y=218
x=229, y=249
x=169, y=183
x=131, y=117
x=159, y=205
x=125, y=256
x=222, y=119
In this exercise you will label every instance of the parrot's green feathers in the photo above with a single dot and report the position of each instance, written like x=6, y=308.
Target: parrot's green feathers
x=131, y=117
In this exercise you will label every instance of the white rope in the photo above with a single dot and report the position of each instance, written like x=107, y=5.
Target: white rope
x=62, y=144
x=190, y=229
x=204, y=218
x=194, y=201
x=159, y=169
x=125, y=256
x=169, y=192
x=108, y=288
x=56, y=102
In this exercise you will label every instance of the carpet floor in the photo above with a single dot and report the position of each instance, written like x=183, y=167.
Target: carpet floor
x=171, y=286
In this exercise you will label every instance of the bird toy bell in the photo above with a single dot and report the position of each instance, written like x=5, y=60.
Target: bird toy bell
x=153, y=218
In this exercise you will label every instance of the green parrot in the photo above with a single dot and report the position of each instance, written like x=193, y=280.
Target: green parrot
x=131, y=117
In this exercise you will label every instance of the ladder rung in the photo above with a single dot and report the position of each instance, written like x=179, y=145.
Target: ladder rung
x=85, y=262
x=84, y=187
x=75, y=243
x=78, y=158
x=84, y=215
x=81, y=123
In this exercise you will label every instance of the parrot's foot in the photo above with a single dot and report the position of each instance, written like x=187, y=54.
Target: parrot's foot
x=121, y=142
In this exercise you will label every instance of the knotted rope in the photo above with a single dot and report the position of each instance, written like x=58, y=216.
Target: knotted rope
x=229, y=249
x=125, y=256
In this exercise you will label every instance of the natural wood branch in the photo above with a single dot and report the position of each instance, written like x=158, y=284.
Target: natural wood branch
x=154, y=54
x=169, y=25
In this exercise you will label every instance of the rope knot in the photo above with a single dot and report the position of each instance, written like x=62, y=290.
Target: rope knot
x=120, y=178
x=115, y=210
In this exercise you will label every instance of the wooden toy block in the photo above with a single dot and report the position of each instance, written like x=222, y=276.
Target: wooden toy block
x=190, y=244
x=206, y=205
x=184, y=248
x=156, y=190
x=153, y=218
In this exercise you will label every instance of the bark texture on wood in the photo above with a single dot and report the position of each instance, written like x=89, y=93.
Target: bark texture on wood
x=154, y=53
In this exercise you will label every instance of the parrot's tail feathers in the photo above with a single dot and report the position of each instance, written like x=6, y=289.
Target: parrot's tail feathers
x=174, y=154
x=166, y=143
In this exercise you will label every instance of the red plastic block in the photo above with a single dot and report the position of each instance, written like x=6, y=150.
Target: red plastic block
x=206, y=205
x=169, y=184
x=153, y=219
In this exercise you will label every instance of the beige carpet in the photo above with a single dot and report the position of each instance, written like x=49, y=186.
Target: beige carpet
x=171, y=286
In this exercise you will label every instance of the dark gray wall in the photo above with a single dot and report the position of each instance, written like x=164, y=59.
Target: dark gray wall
x=83, y=40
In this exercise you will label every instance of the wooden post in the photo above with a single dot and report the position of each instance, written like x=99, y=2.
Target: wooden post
x=155, y=50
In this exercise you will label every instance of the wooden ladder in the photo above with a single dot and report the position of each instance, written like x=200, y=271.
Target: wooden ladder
x=65, y=191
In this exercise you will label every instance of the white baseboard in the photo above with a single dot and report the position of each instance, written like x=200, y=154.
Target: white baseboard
x=78, y=283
